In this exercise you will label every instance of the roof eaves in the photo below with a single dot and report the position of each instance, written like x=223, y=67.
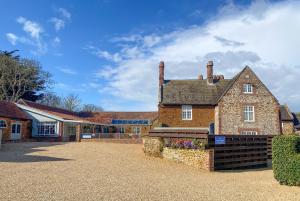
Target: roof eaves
x=24, y=107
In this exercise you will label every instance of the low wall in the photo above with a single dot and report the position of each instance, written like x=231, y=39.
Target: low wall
x=153, y=146
x=202, y=159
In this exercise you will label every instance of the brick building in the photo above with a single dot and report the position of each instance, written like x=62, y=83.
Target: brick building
x=136, y=123
x=14, y=123
x=56, y=124
x=241, y=105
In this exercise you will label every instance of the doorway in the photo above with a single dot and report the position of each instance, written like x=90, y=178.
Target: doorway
x=15, y=131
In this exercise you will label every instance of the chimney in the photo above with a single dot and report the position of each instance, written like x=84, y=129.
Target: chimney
x=209, y=68
x=161, y=73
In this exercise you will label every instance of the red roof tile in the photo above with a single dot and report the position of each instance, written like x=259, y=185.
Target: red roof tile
x=107, y=117
x=62, y=113
x=10, y=110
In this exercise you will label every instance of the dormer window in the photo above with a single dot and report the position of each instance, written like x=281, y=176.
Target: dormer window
x=247, y=89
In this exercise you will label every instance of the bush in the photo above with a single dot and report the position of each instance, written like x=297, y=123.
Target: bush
x=286, y=159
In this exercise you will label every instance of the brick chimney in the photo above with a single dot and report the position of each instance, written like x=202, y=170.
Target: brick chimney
x=210, y=73
x=161, y=73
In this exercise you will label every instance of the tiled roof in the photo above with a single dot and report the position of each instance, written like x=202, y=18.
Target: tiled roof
x=62, y=113
x=285, y=114
x=10, y=110
x=197, y=92
x=107, y=117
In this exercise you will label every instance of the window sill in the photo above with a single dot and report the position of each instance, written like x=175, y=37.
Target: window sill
x=249, y=121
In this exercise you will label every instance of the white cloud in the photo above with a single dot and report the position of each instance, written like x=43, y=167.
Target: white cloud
x=12, y=38
x=64, y=13
x=67, y=70
x=58, y=23
x=34, y=31
x=30, y=27
x=264, y=36
x=56, y=41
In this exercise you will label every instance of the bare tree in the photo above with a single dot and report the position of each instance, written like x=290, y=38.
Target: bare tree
x=71, y=102
x=20, y=77
x=51, y=99
x=91, y=108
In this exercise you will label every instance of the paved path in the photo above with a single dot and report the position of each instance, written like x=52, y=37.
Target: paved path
x=107, y=171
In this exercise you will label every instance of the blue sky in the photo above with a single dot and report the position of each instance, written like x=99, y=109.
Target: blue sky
x=107, y=51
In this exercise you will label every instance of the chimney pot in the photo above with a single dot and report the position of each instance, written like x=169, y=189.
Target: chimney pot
x=161, y=73
x=209, y=68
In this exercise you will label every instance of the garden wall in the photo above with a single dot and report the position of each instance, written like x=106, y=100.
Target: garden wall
x=198, y=158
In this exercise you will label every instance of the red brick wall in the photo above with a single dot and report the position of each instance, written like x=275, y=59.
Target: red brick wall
x=25, y=128
x=170, y=116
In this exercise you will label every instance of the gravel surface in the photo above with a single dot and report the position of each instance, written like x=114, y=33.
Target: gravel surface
x=107, y=171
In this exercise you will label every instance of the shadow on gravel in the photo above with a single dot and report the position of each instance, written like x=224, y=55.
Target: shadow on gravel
x=255, y=169
x=20, y=152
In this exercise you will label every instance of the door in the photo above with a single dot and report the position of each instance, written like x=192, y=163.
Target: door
x=15, y=131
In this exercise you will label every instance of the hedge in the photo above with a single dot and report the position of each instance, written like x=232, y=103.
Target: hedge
x=286, y=159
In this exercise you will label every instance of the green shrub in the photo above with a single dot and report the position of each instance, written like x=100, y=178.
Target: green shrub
x=286, y=159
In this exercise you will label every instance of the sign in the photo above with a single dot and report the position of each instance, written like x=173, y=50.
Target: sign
x=86, y=136
x=220, y=140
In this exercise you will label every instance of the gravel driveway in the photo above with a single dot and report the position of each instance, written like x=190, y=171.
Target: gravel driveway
x=107, y=171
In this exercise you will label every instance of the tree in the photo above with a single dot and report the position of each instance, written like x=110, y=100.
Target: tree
x=21, y=78
x=71, y=102
x=51, y=99
x=91, y=108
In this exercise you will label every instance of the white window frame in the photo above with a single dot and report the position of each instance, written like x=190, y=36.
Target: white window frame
x=16, y=130
x=249, y=132
x=249, y=111
x=44, y=125
x=122, y=130
x=248, y=89
x=5, y=123
x=137, y=130
x=187, y=112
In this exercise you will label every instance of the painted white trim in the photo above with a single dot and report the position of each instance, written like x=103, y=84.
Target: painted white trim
x=11, y=129
x=253, y=110
x=37, y=111
x=4, y=123
x=184, y=108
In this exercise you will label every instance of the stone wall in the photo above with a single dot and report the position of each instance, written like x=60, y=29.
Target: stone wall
x=202, y=159
x=287, y=127
x=171, y=116
x=153, y=146
x=231, y=106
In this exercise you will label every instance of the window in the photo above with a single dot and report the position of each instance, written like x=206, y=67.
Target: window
x=186, y=112
x=249, y=133
x=247, y=89
x=122, y=130
x=2, y=124
x=46, y=129
x=105, y=130
x=249, y=113
x=16, y=128
x=137, y=130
